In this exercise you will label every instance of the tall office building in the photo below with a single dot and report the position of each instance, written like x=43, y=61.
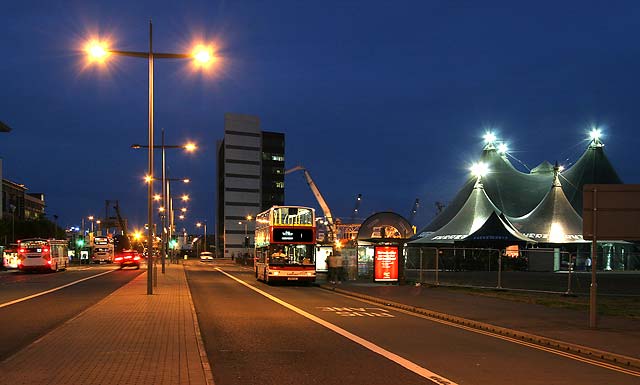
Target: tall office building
x=250, y=179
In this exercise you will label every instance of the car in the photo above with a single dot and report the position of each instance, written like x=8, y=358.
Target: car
x=128, y=258
x=206, y=256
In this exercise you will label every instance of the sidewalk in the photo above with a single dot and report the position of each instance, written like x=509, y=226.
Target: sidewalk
x=127, y=338
x=614, y=334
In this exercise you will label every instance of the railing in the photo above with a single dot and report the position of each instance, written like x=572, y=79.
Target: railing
x=545, y=270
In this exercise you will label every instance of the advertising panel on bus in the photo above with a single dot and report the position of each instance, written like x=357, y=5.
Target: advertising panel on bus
x=385, y=263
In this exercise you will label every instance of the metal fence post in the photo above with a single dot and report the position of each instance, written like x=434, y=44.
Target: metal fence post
x=569, y=277
x=499, y=269
x=421, y=266
x=437, y=267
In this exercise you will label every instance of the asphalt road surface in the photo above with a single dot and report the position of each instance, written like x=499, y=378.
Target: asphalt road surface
x=260, y=334
x=24, y=320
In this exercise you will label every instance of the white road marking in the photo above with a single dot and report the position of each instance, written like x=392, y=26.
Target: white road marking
x=419, y=370
x=532, y=345
x=52, y=290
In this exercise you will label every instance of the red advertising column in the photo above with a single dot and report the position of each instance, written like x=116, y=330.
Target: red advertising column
x=385, y=263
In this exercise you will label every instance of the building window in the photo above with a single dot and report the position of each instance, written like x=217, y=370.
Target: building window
x=279, y=184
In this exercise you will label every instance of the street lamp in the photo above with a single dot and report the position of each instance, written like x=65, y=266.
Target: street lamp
x=200, y=224
x=246, y=235
x=12, y=208
x=99, y=52
x=188, y=147
x=167, y=203
x=90, y=218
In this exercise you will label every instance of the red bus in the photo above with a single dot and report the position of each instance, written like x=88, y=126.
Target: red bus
x=285, y=244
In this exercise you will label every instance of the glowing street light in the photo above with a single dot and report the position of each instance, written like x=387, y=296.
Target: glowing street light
x=185, y=198
x=595, y=134
x=201, y=224
x=502, y=148
x=184, y=209
x=157, y=197
x=98, y=51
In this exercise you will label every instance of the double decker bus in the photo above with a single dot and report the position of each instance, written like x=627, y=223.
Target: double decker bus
x=285, y=244
x=42, y=254
x=102, y=250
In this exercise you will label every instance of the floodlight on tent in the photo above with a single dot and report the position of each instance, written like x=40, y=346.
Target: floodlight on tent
x=595, y=134
x=561, y=168
x=556, y=233
x=503, y=148
x=489, y=137
x=479, y=169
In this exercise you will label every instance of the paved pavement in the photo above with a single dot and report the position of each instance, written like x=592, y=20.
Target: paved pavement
x=127, y=338
x=615, y=334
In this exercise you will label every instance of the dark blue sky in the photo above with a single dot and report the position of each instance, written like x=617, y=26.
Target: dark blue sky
x=384, y=98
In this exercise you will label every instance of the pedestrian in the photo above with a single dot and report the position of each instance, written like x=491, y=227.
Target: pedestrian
x=331, y=268
x=339, y=269
x=587, y=264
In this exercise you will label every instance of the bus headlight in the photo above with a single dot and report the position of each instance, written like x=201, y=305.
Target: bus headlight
x=276, y=272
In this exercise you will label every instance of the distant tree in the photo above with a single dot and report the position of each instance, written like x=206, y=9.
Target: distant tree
x=32, y=228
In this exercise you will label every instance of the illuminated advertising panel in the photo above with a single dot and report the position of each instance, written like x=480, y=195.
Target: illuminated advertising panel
x=385, y=263
x=293, y=235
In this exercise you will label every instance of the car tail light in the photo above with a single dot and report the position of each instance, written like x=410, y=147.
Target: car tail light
x=49, y=261
x=127, y=257
x=136, y=258
x=118, y=258
x=22, y=250
x=45, y=250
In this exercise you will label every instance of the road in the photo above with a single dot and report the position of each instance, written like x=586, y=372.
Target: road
x=260, y=334
x=30, y=305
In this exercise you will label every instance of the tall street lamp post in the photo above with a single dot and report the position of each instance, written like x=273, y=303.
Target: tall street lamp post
x=246, y=235
x=200, y=224
x=189, y=147
x=99, y=52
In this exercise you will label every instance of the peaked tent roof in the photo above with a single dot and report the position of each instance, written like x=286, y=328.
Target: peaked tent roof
x=472, y=218
x=592, y=167
x=544, y=167
x=513, y=192
x=497, y=228
x=554, y=220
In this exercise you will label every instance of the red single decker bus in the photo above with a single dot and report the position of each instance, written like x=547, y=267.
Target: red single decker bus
x=285, y=244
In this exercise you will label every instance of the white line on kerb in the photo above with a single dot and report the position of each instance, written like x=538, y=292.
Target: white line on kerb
x=419, y=370
x=52, y=290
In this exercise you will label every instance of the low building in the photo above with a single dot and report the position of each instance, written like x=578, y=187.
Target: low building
x=20, y=204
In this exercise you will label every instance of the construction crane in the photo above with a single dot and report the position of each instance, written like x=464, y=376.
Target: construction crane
x=323, y=204
x=123, y=225
x=414, y=211
x=354, y=215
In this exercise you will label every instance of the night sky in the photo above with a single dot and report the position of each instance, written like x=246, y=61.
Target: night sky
x=389, y=99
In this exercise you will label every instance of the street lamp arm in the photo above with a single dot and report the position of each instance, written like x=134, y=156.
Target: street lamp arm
x=172, y=56
x=130, y=53
x=138, y=146
x=155, y=55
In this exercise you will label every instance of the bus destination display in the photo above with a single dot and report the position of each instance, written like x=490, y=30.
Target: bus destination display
x=293, y=235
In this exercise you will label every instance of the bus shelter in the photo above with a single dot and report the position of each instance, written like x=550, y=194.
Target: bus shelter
x=381, y=240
